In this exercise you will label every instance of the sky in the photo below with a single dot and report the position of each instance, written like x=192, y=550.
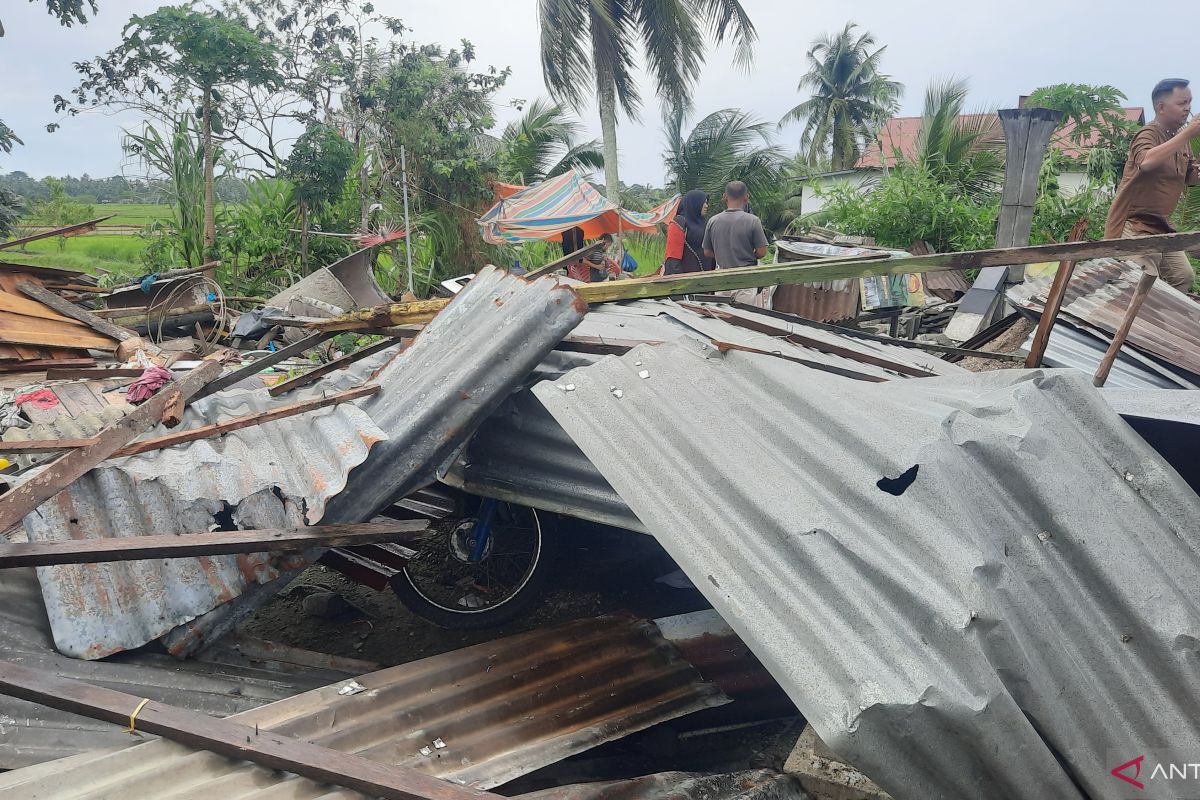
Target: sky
x=1004, y=50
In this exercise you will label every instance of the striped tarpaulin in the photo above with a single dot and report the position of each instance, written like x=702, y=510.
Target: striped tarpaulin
x=546, y=209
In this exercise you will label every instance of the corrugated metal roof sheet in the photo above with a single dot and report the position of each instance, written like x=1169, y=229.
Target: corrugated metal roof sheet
x=458, y=370
x=522, y=455
x=1167, y=326
x=1076, y=349
x=283, y=473
x=760, y=784
x=30, y=733
x=278, y=474
x=996, y=628
x=502, y=709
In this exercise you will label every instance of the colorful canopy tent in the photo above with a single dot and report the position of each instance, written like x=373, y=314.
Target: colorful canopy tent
x=546, y=209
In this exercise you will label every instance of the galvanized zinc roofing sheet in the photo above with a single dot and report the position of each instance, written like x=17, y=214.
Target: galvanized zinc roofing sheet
x=278, y=474
x=977, y=586
x=30, y=733
x=1167, y=326
x=499, y=709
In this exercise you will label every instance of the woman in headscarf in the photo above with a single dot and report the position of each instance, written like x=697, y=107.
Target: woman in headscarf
x=685, y=236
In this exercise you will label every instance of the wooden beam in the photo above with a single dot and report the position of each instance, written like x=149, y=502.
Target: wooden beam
x=216, y=543
x=249, y=420
x=1114, y=348
x=73, y=311
x=332, y=366
x=559, y=263
x=1054, y=301
x=725, y=347
x=45, y=445
x=172, y=274
x=793, y=272
x=814, y=344
x=231, y=739
x=41, y=487
x=98, y=373
x=66, y=231
x=836, y=269
x=258, y=365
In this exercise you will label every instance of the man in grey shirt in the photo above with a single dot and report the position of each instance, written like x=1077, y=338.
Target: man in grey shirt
x=735, y=236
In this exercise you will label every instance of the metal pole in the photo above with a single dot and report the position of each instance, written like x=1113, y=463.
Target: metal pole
x=407, y=223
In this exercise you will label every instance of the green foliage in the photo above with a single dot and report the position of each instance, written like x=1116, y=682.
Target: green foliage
x=726, y=145
x=1097, y=124
x=851, y=97
x=70, y=12
x=429, y=101
x=259, y=255
x=911, y=204
x=58, y=210
x=1055, y=214
x=179, y=158
x=318, y=164
x=962, y=151
x=542, y=144
x=7, y=138
x=170, y=55
x=12, y=206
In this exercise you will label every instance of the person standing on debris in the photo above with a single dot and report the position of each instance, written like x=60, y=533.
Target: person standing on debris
x=685, y=236
x=1160, y=166
x=734, y=237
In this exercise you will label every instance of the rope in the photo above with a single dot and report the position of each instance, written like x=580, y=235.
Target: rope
x=133, y=717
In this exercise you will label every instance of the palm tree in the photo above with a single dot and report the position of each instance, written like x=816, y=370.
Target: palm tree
x=725, y=146
x=541, y=144
x=964, y=151
x=592, y=46
x=850, y=99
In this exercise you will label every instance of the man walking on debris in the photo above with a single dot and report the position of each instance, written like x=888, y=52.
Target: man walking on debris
x=1160, y=166
x=735, y=236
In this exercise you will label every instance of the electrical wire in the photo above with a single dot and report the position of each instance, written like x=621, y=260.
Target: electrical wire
x=156, y=314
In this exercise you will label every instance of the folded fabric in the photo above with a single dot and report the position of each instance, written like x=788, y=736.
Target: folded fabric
x=148, y=385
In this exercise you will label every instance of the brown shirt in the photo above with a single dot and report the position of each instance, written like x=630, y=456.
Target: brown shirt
x=1147, y=198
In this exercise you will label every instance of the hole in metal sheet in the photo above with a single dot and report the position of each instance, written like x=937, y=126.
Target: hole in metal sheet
x=896, y=486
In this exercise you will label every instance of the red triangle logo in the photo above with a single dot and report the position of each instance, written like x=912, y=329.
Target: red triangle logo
x=1118, y=772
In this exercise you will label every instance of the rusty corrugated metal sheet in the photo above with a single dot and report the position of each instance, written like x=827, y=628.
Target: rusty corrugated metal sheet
x=1167, y=326
x=219, y=685
x=946, y=284
x=813, y=302
x=499, y=709
x=279, y=474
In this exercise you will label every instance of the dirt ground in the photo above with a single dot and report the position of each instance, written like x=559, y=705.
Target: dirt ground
x=1008, y=342
x=598, y=570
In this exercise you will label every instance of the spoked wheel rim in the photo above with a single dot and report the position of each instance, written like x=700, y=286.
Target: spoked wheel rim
x=445, y=577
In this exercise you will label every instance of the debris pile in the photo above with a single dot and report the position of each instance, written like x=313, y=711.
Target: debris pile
x=932, y=574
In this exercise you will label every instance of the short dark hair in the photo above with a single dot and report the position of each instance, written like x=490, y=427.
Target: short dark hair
x=736, y=190
x=1164, y=88
x=606, y=236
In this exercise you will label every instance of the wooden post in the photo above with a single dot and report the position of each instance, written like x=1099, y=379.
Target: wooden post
x=1027, y=133
x=190, y=545
x=257, y=366
x=41, y=487
x=230, y=739
x=1110, y=356
x=1054, y=301
x=559, y=263
x=332, y=366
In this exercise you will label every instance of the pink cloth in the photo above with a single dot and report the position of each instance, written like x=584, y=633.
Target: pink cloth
x=39, y=398
x=148, y=385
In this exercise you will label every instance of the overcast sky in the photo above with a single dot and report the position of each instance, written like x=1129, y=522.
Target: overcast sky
x=1004, y=49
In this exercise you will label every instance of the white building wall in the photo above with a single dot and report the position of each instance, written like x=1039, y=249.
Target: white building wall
x=811, y=201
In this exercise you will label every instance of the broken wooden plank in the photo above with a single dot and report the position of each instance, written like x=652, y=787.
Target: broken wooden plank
x=98, y=373
x=41, y=487
x=173, y=413
x=66, y=231
x=258, y=365
x=569, y=258
x=44, y=445
x=218, y=428
x=230, y=739
x=16, y=329
x=1054, y=301
x=791, y=272
x=1114, y=348
x=73, y=311
x=214, y=543
x=332, y=366
x=15, y=304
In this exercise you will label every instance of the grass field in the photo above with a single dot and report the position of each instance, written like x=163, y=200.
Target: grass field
x=132, y=213
x=111, y=251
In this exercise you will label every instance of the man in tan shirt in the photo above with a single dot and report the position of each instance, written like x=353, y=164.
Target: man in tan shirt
x=1159, y=168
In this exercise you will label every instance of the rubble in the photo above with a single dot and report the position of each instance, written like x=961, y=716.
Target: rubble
x=890, y=544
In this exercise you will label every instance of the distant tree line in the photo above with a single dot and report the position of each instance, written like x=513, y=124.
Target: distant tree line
x=114, y=189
